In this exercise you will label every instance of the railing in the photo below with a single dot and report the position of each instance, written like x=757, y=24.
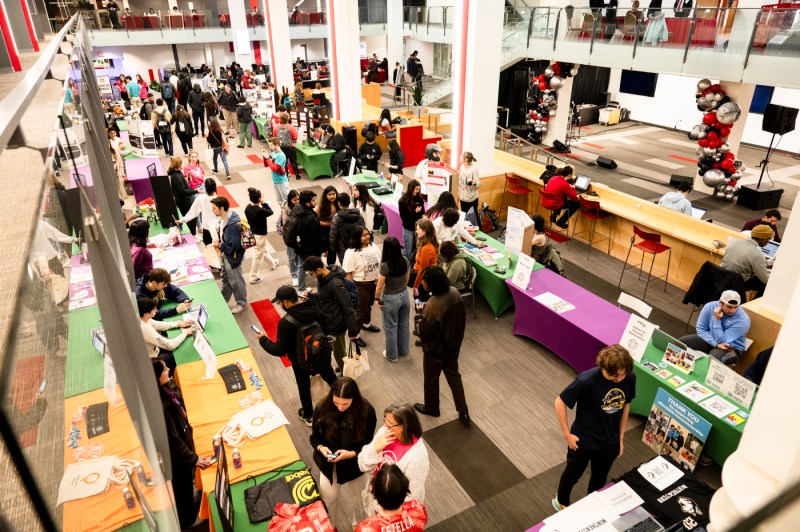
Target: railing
x=372, y=15
x=428, y=18
x=512, y=143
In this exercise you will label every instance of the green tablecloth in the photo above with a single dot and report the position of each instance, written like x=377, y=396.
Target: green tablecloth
x=162, y=518
x=315, y=161
x=723, y=438
x=155, y=229
x=261, y=123
x=122, y=124
x=241, y=521
x=84, y=370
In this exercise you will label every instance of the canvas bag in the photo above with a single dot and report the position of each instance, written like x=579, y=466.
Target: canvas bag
x=212, y=257
x=355, y=365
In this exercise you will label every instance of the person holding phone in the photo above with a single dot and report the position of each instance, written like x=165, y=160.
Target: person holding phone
x=343, y=423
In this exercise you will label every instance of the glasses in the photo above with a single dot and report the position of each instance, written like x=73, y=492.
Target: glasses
x=388, y=426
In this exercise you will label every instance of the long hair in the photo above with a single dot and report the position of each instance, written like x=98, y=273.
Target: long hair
x=446, y=201
x=406, y=416
x=363, y=198
x=181, y=113
x=430, y=235
x=214, y=127
x=392, y=256
x=328, y=418
x=385, y=114
x=355, y=238
x=326, y=208
x=407, y=199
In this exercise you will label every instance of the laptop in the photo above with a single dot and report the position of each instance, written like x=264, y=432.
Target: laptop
x=582, y=183
x=698, y=212
x=202, y=317
x=771, y=249
x=637, y=520
x=381, y=191
x=371, y=184
x=661, y=339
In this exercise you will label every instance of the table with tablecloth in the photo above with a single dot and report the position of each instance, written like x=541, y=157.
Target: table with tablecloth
x=576, y=335
x=393, y=224
x=315, y=161
x=259, y=127
x=209, y=407
x=139, y=179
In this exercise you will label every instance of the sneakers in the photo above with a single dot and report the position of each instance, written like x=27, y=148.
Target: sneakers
x=258, y=279
x=303, y=418
x=371, y=328
x=294, y=282
x=240, y=146
x=394, y=360
x=238, y=308
x=359, y=342
x=558, y=507
x=228, y=177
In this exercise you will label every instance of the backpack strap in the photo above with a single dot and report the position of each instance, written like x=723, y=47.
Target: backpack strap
x=291, y=319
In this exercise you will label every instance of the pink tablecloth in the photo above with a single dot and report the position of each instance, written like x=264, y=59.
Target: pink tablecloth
x=136, y=170
x=393, y=221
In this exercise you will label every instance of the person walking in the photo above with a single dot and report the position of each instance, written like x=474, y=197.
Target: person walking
x=441, y=332
x=161, y=119
x=202, y=207
x=601, y=397
x=294, y=260
x=229, y=243
x=412, y=208
x=257, y=213
x=219, y=144
x=343, y=225
x=244, y=115
x=276, y=161
x=169, y=94
x=228, y=100
x=194, y=100
x=427, y=255
x=469, y=182
x=393, y=300
x=343, y=423
x=183, y=128
x=298, y=313
x=184, y=86
x=360, y=264
x=309, y=241
x=287, y=134
x=183, y=193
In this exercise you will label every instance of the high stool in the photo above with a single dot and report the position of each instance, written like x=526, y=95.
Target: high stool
x=591, y=210
x=651, y=243
x=513, y=186
x=550, y=197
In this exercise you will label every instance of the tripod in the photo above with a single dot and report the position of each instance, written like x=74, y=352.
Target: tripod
x=764, y=163
x=574, y=124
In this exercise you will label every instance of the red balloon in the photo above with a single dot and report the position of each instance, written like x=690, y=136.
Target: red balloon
x=712, y=135
x=715, y=165
x=727, y=164
x=730, y=156
x=733, y=182
x=703, y=143
x=718, y=125
x=542, y=85
x=546, y=118
x=715, y=87
x=725, y=131
x=709, y=118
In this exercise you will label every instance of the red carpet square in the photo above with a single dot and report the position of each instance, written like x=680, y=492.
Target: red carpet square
x=268, y=317
x=256, y=159
x=223, y=192
x=595, y=146
x=687, y=159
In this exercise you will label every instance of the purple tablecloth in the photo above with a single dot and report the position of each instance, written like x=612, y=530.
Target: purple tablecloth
x=393, y=222
x=576, y=335
x=136, y=170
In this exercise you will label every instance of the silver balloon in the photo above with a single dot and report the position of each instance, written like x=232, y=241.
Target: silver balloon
x=724, y=147
x=552, y=112
x=720, y=193
x=699, y=151
x=537, y=130
x=694, y=134
x=713, y=178
x=544, y=129
x=736, y=189
x=729, y=196
x=704, y=104
x=702, y=135
x=708, y=151
x=549, y=72
x=727, y=180
x=556, y=82
x=710, y=96
x=728, y=113
x=703, y=84
x=703, y=127
x=736, y=175
x=717, y=96
x=728, y=190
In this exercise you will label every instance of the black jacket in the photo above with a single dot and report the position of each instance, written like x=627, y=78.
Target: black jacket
x=187, y=126
x=228, y=100
x=179, y=434
x=336, y=143
x=334, y=303
x=370, y=149
x=410, y=217
x=396, y=158
x=195, y=101
x=257, y=217
x=244, y=112
x=346, y=470
x=443, y=321
x=311, y=240
x=286, y=343
x=171, y=292
x=342, y=226
x=184, y=194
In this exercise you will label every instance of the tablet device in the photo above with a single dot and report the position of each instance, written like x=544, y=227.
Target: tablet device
x=698, y=212
x=661, y=340
x=582, y=183
x=98, y=341
x=202, y=317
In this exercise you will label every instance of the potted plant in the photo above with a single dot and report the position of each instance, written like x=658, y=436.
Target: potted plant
x=417, y=95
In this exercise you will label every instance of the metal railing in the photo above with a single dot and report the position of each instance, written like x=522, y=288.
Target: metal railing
x=510, y=142
x=430, y=18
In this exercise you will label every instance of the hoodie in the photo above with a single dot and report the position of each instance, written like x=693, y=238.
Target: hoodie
x=334, y=303
x=195, y=100
x=311, y=241
x=676, y=201
x=396, y=157
x=458, y=271
x=286, y=342
x=230, y=242
x=171, y=292
x=342, y=226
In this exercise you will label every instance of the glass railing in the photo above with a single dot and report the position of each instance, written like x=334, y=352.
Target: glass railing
x=427, y=19
x=372, y=15
x=307, y=18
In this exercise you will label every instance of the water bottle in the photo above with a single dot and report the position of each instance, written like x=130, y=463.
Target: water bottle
x=217, y=445
x=382, y=178
x=140, y=474
x=237, y=459
x=128, y=496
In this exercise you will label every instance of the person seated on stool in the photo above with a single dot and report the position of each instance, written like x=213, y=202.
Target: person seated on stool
x=678, y=201
x=721, y=327
x=160, y=346
x=566, y=197
x=771, y=218
x=744, y=256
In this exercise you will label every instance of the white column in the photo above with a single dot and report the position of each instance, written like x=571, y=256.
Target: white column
x=242, y=49
x=783, y=280
x=394, y=34
x=345, y=65
x=279, y=44
x=557, y=125
x=478, y=28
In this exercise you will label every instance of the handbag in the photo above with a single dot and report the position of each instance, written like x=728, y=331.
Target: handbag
x=212, y=257
x=292, y=518
x=58, y=287
x=355, y=365
x=378, y=219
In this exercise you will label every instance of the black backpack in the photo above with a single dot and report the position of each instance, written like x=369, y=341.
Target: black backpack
x=162, y=125
x=313, y=348
x=246, y=114
x=291, y=231
x=369, y=127
x=352, y=290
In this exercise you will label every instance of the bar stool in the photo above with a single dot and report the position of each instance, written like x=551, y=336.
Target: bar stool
x=514, y=186
x=591, y=210
x=552, y=198
x=651, y=243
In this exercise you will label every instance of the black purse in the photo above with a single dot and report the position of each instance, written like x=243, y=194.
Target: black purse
x=379, y=219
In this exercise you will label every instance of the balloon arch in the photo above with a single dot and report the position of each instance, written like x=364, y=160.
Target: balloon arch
x=544, y=97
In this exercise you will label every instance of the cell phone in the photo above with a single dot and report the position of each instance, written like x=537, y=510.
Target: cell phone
x=42, y=386
x=481, y=238
x=255, y=329
x=213, y=461
x=331, y=456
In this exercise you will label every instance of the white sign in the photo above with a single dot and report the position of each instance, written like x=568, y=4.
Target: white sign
x=437, y=180
x=660, y=473
x=729, y=383
x=589, y=513
x=85, y=479
x=207, y=354
x=620, y=498
x=522, y=272
x=261, y=418
x=719, y=406
x=109, y=380
x=72, y=146
x=104, y=84
x=636, y=336
x=517, y=221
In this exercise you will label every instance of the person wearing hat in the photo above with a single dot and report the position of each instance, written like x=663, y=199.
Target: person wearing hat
x=721, y=328
x=298, y=313
x=744, y=256
x=432, y=153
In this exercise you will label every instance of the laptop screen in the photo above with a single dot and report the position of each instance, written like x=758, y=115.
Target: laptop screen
x=771, y=248
x=202, y=317
x=98, y=343
x=698, y=212
x=582, y=183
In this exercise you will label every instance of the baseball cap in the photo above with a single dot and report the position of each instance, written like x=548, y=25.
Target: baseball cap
x=730, y=297
x=285, y=293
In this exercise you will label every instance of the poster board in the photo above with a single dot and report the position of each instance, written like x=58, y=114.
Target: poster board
x=519, y=231
x=637, y=335
x=104, y=85
x=303, y=120
x=675, y=430
x=265, y=105
x=141, y=138
x=165, y=202
x=437, y=180
x=730, y=384
x=207, y=354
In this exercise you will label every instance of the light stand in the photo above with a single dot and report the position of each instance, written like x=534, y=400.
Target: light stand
x=765, y=162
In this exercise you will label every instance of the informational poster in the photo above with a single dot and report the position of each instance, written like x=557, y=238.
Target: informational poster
x=261, y=418
x=673, y=429
x=589, y=513
x=523, y=271
x=680, y=358
x=437, y=180
x=142, y=138
x=265, y=105
x=85, y=479
x=303, y=120
x=729, y=383
x=104, y=84
x=207, y=354
x=74, y=149
x=109, y=380
x=519, y=231
x=719, y=406
x=636, y=336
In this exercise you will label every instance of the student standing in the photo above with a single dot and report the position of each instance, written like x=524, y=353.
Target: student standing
x=229, y=101
x=202, y=207
x=183, y=128
x=194, y=99
x=427, y=255
x=326, y=210
x=343, y=224
x=230, y=246
x=257, y=213
x=361, y=262
x=469, y=181
x=161, y=119
x=364, y=203
x=396, y=160
x=601, y=397
x=276, y=161
x=295, y=262
x=244, y=115
x=219, y=144
x=309, y=234
x=392, y=296
x=134, y=92
x=412, y=208
x=287, y=134
x=183, y=193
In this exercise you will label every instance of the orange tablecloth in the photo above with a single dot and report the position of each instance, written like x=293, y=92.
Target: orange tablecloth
x=209, y=407
x=107, y=511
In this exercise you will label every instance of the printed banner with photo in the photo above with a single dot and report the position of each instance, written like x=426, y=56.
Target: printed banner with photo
x=679, y=358
x=673, y=429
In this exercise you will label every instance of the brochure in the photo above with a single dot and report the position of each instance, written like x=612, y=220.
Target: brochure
x=719, y=406
x=522, y=272
x=664, y=374
x=650, y=366
x=554, y=303
x=729, y=383
x=676, y=430
x=660, y=473
x=695, y=391
x=636, y=336
x=676, y=381
x=734, y=419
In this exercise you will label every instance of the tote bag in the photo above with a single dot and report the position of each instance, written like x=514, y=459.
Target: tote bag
x=355, y=365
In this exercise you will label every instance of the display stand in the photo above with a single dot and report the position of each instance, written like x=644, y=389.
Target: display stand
x=437, y=180
x=519, y=231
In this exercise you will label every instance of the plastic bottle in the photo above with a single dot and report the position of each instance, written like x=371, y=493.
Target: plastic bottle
x=130, y=502
x=217, y=445
x=382, y=177
x=140, y=474
x=237, y=459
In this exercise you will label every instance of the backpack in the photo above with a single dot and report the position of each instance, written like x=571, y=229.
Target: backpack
x=488, y=220
x=285, y=136
x=162, y=126
x=247, y=114
x=291, y=231
x=313, y=348
x=167, y=92
x=144, y=114
x=248, y=238
x=369, y=127
x=352, y=290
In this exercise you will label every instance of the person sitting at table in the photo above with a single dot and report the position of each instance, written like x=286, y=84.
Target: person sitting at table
x=369, y=153
x=394, y=512
x=456, y=266
x=151, y=11
x=138, y=233
x=744, y=256
x=566, y=197
x=295, y=19
x=635, y=11
x=338, y=145
x=543, y=251
x=157, y=286
x=770, y=218
x=446, y=201
x=159, y=345
x=299, y=94
x=721, y=328
x=449, y=228
x=678, y=201
x=388, y=129
x=181, y=447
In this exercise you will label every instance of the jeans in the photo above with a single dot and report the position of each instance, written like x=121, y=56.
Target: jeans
x=601, y=460
x=170, y=105
x=197, y=118
x=262, y=247
x=410, y=245
x=571, y=207
x=396, y=310
x=220, y=151
x=166, y=142
x=233, y=282
x=245, y=133
x=303, y=381
x=726, y=357
x=281, y=190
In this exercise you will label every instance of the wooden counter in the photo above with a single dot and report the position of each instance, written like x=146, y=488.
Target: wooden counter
x=764, y=328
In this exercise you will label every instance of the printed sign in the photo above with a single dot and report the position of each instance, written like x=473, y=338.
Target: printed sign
x=518, y=221
x=729, y=383
x=673, y=429
x=522, y=272
x=207, y=354
x=109, y=380
x=636, y=336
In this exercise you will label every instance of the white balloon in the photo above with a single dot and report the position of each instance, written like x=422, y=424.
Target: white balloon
x=556, y=82
x=549, y=72
x=703, y=84
x=724, y=147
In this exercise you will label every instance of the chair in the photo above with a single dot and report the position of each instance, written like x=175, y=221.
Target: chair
x=591, y=210
x=708, y=284
x=469, y=291
x=543, y=195
x=513, y=185
x=635, y=304
x=650, y=244
x=589, y=22
x=629, y=27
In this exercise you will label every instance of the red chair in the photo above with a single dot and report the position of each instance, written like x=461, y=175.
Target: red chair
x=551, y=198
x=591, y=211
x=651, y=243
x=513, y=186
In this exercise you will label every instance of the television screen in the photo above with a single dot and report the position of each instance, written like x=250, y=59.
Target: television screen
x=640, y=83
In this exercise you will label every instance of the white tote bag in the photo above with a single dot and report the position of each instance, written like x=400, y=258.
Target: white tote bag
x=355, y=364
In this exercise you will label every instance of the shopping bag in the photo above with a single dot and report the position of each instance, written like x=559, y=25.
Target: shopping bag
x=212, y=257
x=355, y=365
x=208, y=154
x=292, y=518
